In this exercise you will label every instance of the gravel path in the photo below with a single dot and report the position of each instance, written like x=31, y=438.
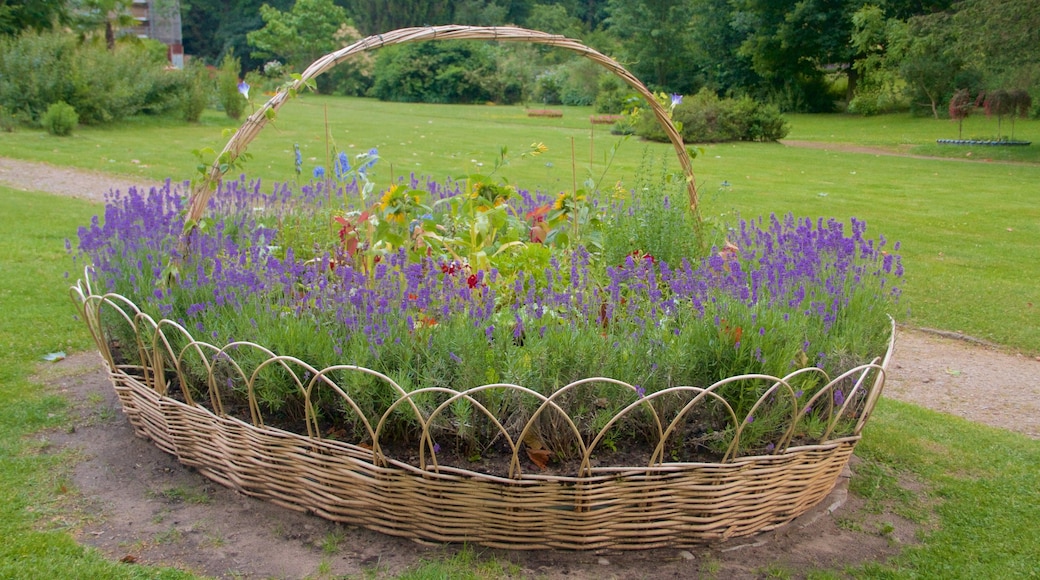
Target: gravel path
x=941, y=371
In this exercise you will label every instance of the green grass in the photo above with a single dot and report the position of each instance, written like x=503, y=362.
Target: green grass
x=37, y=318
x=966, y=230
x=918, y=135
x=987, y=484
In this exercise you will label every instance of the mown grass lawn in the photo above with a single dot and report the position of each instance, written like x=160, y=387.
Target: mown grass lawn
x=968, y=234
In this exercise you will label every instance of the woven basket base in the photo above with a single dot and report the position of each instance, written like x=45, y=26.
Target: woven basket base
x=622, y=508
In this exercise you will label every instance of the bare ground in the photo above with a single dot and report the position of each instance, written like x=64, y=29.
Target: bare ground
x=135, y=503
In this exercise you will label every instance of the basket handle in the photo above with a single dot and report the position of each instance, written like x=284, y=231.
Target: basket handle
x=203, y=189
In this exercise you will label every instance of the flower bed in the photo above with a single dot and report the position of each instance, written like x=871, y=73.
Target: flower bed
x=985, y=142
x=468, y=361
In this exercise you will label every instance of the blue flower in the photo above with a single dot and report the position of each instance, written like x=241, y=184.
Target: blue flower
x=676, y=100
x=319, y=172
x=299, y=158
x=341, y=165
x=243, y=87
x=369, y=158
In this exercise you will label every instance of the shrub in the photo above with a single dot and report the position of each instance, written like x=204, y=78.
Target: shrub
x=60, y=119
x=7, y=120
x=613, y=96
x=548, y=87
x=430, y=72
x=102, y=85
x=705, y=118
x=194, y=96
x=227, y=87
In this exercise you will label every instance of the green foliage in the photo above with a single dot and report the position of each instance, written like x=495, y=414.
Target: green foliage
x=194, y=92
x=7, y=121
x=233, y=102
x=613, y=96
x=880, y=42
x=656, y=220
x=655, y=42
x=705, y=118
x=436, y=72
x=311, y=29
x=60, y=119
x=18, y=16
x=102, y=85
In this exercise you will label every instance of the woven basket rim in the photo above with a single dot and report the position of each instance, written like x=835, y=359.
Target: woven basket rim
x=154, y=349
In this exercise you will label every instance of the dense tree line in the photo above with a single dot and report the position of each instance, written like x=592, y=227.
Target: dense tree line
x=812, y=55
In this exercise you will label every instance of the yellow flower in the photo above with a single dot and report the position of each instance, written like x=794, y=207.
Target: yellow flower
x=388, y=197
x=538, y=148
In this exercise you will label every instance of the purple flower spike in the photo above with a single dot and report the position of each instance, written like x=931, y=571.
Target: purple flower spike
x=640, y=391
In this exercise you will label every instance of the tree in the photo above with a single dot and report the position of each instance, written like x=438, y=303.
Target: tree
x=790, y=41
x=212, y=28
x=110, y=15
x=300, y=35
x=715, y=44
x=961, y=105
x=931, y=64
x=655, y=40
x=38, y=15
x=1001, y=37
x=880, y=43
x=377, y=16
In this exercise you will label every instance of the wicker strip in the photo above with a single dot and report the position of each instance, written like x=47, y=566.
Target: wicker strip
x=621, y=507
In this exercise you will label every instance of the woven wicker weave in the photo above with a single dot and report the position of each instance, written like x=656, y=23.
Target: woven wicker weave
x=658, y=504
x=623, y=507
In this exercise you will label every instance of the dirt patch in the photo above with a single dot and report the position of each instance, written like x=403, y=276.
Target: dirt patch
x=141, y=505
x=80, y=184
x=967, y=378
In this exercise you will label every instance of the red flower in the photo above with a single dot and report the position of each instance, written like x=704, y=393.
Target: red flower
x=472, y=281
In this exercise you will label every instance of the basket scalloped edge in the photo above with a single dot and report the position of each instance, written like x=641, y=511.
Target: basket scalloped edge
x=620, y=507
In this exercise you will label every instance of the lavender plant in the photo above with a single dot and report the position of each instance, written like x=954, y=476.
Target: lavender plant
x=458, y=285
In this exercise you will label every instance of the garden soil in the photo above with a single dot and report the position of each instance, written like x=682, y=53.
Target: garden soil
x=138, y=505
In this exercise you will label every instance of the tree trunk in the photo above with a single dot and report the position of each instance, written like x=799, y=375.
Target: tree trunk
x=850, y=89
x=110, y=35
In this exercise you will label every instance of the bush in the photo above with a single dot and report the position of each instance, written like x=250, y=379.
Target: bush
x=194, y=96
x=102, y=85
x=429, y=72
x=705, y=118
x=548, y=87
x=7, y=121
x=614, y=95
x=60, y=119
x=227, y=87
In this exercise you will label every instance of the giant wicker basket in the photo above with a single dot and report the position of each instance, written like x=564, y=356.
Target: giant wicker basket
x=659, y=503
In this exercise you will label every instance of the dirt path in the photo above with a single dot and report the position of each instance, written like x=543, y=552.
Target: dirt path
x=138, y=503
